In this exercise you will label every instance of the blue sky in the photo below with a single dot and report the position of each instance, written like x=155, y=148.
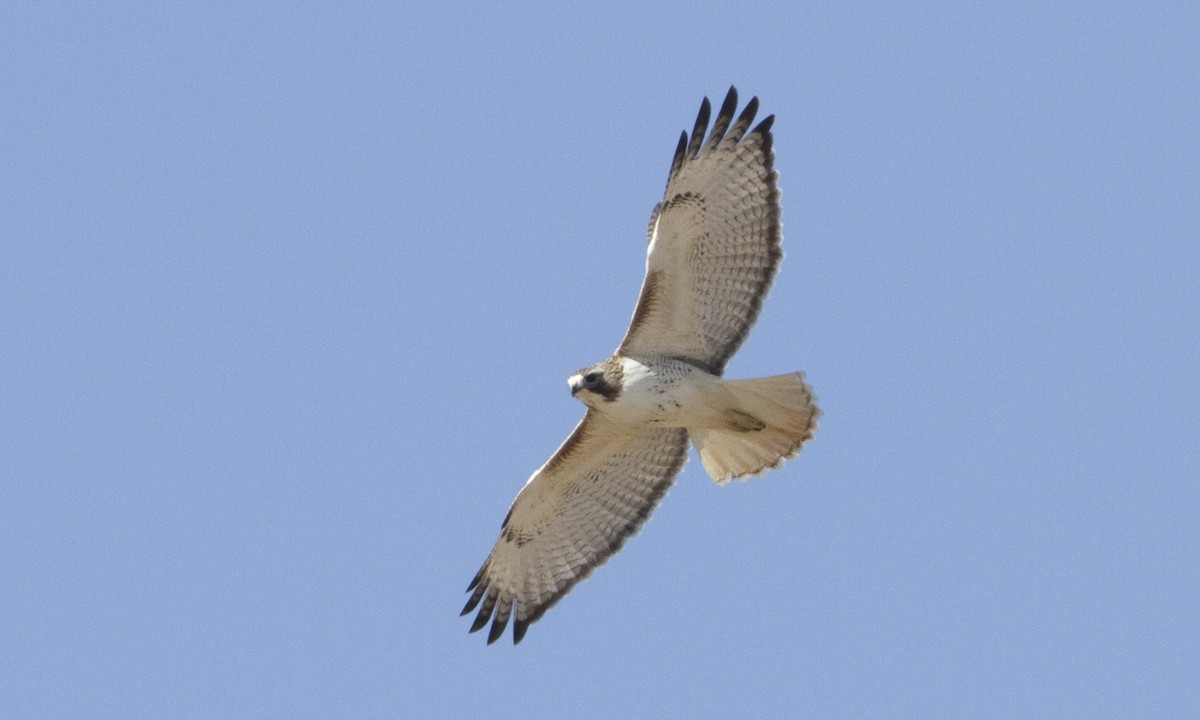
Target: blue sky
x=289, y=294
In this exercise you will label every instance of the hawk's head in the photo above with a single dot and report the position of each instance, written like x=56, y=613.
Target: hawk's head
x=598, y=383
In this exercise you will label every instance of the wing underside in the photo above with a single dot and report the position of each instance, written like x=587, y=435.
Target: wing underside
x=714, y=242
x=578, y=509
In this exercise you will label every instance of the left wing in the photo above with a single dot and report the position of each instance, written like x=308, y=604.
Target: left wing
x=714, y=242
x=578, y=509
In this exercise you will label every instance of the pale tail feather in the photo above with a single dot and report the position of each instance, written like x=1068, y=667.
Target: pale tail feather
x=784, y=406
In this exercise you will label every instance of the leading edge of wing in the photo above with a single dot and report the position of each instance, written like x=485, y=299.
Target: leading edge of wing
x=524, y=575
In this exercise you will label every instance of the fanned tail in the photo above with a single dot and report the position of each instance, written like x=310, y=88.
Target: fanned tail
x=769, y=421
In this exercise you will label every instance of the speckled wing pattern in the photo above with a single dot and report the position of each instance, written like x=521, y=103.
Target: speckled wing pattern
x=578, y=509
x=714, y=242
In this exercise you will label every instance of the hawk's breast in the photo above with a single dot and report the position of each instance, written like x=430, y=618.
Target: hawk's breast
x=664, y=391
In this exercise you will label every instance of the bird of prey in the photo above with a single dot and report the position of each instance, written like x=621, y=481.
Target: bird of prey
x=713, y=253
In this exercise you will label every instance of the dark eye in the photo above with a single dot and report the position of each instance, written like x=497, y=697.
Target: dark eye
x=592, y=377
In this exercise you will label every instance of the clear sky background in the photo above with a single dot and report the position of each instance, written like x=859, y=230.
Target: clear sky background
x=289, y=293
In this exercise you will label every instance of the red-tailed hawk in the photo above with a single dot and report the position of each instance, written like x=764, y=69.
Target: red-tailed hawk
x=714, y=249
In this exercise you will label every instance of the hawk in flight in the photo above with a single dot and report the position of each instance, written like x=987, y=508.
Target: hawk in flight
x=713, y=252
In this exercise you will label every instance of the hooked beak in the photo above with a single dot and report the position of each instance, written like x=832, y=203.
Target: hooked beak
x=575, y=382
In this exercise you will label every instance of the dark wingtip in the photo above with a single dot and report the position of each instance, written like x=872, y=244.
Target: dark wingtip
x=724, y=119
x=480, y=620
x=497, y=629
x=750, y=110
x=751, y=107
x=763, y=131
x=738, y=131
x=477, y=578
x=730, y=98
x=475, y=596
x=680, y=152
x=699, y=129
x=519, y=628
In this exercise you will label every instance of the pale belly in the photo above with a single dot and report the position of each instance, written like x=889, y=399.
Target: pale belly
x=668, y=392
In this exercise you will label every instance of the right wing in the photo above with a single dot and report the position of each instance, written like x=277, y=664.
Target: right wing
x=578, y=509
